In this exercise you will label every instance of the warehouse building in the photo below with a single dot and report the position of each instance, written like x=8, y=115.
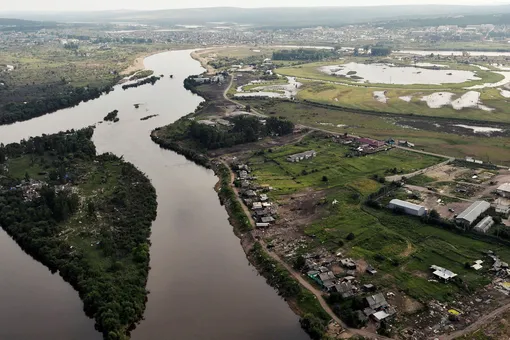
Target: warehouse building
x=409, y=208
x=469, y=216
x=484, y=225
x=504, y=190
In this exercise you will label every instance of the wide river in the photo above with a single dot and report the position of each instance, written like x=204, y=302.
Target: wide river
x=201, y=284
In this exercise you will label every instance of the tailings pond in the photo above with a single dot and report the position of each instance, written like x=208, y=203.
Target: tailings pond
x=201, y=284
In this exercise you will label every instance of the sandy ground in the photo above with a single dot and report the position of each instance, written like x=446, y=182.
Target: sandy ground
x=203, y=61
x=138, y=64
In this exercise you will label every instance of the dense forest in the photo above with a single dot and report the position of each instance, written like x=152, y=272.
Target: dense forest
x=246, y=129
x=304, y=54
x=19, y=111
x=105, y=258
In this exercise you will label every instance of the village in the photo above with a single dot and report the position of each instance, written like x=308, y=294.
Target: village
x=481, y=212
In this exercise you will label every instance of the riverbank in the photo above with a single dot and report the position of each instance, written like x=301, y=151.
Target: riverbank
x=203, y=62
x=138, y=63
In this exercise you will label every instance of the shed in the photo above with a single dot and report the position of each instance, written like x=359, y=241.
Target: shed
x=267, y=219
x=469, y=216
x=484, y=225
x=408, y=207
x=443, y=273
x=381, y=315
x=262, y=225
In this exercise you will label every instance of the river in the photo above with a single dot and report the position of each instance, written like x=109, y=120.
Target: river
x=201, y=284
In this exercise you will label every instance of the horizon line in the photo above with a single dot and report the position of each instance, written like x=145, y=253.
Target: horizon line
x=495, y=4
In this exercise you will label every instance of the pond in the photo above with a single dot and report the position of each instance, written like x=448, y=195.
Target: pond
x=389, y=74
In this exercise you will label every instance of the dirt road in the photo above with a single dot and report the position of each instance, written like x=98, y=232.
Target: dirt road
x=316, y=292
x=476, y=325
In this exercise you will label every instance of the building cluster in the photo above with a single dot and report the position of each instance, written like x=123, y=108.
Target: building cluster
x=30, y=189
x=302, y=156
x=362, y=145
x=346, y=284
x=219, y=78
x=255, y=197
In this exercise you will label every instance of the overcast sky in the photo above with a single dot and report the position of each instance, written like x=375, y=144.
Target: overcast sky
x=65, y=5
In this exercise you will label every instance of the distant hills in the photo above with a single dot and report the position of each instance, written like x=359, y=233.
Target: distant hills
x=274, y=17
x=8, y=24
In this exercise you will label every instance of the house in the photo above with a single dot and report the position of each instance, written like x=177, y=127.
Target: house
x=243, y=174
x=348, y=263
x=267, y=219
x=256, y=206
x=301, y=156
x=503, y=210
x=409, y=208
x=484, y=225
x=471, y=214
x=371, y=270
x=368, y=287
x=263, y=197
x=250, y=193
x=504, y=190
x=345, y=289
x=201, y=80
x=371, y=142
x=380, y=315
x=377, y=301
x=442, y=273
x=405, y=143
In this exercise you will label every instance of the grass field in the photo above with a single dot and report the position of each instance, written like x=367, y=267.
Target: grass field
x=402, y=248
x=492, y=149
x=363, y=98
x=331, y=162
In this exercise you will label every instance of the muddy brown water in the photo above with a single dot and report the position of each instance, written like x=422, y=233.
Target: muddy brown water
x=201, y=284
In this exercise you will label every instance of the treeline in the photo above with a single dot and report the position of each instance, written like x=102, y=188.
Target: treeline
x=246, y=129
x=113, y=293
x=19, y=111
x=173, y=145
x=304, y=54
x=150, y=80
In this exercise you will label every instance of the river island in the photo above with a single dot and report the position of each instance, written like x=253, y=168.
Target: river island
x=84, y=216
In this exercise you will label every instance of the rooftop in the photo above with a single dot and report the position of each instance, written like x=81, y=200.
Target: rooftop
x=406, y=204
x=474, y=210
x=504, y=187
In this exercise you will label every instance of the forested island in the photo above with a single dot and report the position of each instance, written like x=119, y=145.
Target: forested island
x=112, y=116
x=87, y=217
x=17, y=111
x=150, y=80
